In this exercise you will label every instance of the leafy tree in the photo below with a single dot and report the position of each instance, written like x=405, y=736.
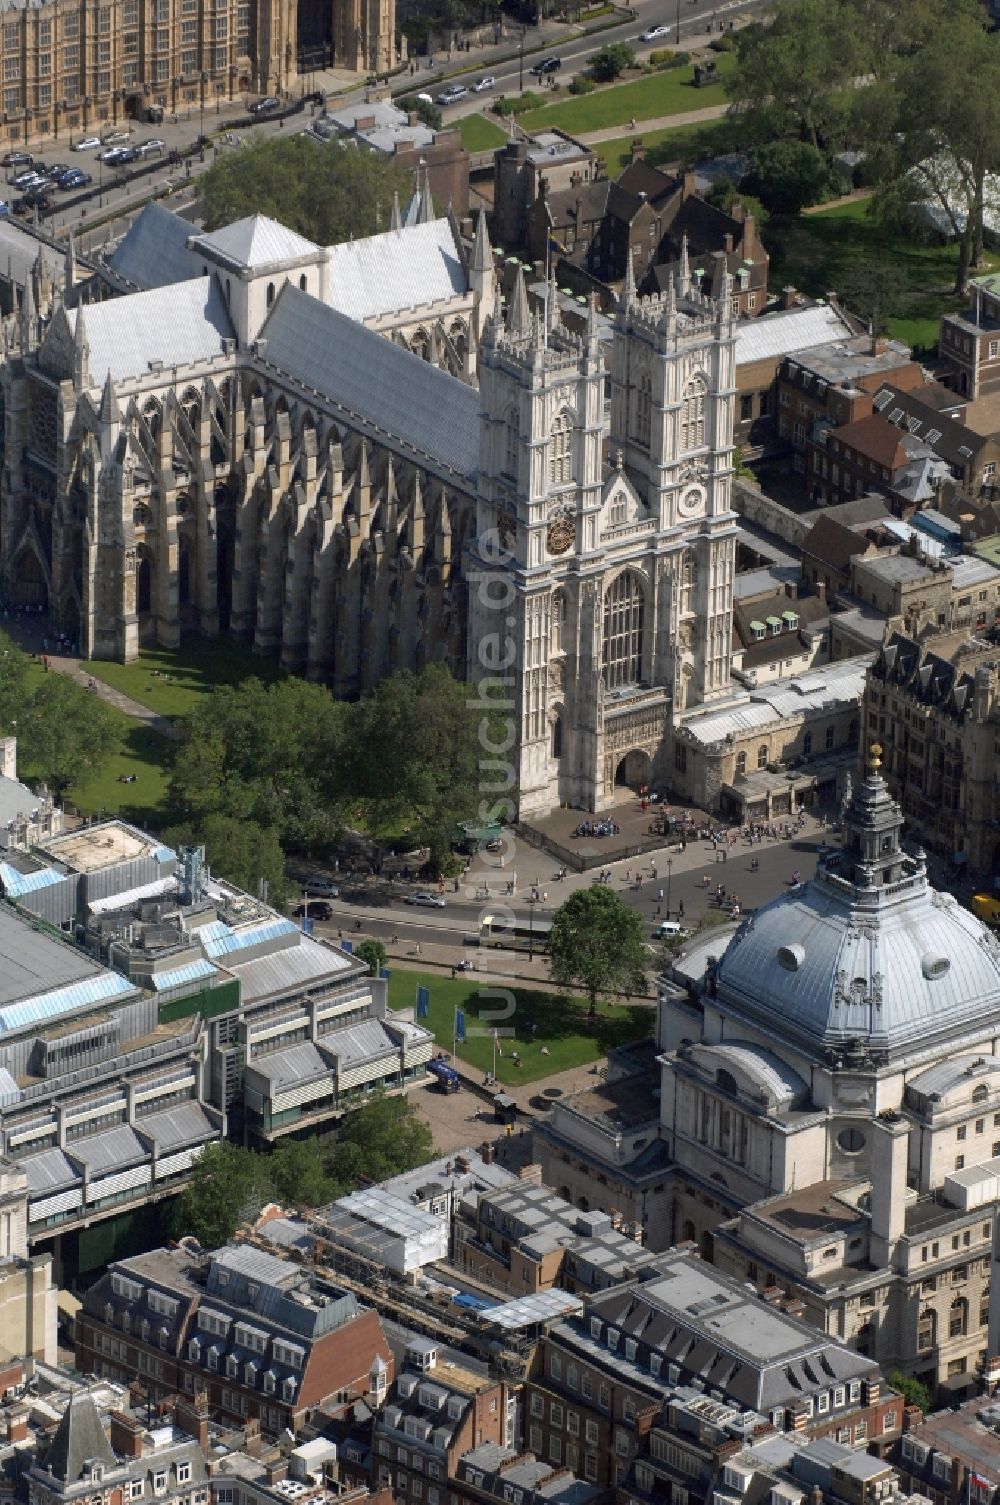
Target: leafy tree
x=724, y=193
x=931, y=135
x=596, y=944
x=327, y=192
x=227, y=1184
x=788, y=176
x=424, y=109
x=413, y=758
x=297, y=1170
x=611, y=60
x=64, y=731
x=266, y=754
x=793, y=76
x=239, y=850
x=383, y=1138
x=913, y=1391
x=13, y=684
x=372, y=953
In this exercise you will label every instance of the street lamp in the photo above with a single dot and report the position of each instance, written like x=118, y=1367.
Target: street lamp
x=670, y=864
x=677, y=28
x=520, y=79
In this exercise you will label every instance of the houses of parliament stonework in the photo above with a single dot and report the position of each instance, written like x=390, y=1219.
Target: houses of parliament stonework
x=230, y=453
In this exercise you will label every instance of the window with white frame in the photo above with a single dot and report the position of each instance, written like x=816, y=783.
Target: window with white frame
x=561, y=450
x=624, y=610
x=693, y=414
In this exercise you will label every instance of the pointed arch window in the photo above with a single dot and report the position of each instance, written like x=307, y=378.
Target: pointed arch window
x=693, y=414
x=624, y=606
x=643, y=409
x=561, y=450
x=512, y=443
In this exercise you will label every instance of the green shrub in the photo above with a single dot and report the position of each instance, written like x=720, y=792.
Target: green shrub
x=661, y=55
x=519, y=104
x=581, y=84
x=611, y=60
x=726, y=42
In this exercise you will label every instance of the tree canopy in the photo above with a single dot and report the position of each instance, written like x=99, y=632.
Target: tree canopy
x=372, y=953
x=323, y=190
x=229, y=1185
x=64, y=731
x=596, y=944
x=240, y=851
x=910, y=86
x=288, y=758
x=611, y=60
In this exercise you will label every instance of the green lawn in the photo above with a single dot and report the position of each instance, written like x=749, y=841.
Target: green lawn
x=669, y=92
x=843, y=248
x=185, y=674
x=479, y=134
x=147, y=755
x=680, y=143
x=571, y=1038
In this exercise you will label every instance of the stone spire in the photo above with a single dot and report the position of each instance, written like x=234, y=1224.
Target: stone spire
x=28, y=321
x=109, y=411
x=426, y=213
x=396, y=219
x=724, y=309
x=593, y=328
x=552, y=314
x=683, y=270
x=81, y=353
x=482, y=252
x=669, y=315
x=518, y=316
x=627, y=300
x=69, y=272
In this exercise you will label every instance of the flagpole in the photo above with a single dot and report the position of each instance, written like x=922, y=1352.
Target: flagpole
x=454, y=1034
x=548, y=262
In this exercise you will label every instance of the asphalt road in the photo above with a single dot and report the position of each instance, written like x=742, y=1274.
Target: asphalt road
x=575, y=54
x=384, y=912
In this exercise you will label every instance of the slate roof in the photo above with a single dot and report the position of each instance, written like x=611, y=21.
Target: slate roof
x=257, y=242
x=774, y=335
x=184, y=1124
x=177, y=325
x=416, y=408
x=398, y=269
x=929, y=678
x=874, y=438
x=947, y=437
x=154, y=251
x=79, y=1438
x=834, y=544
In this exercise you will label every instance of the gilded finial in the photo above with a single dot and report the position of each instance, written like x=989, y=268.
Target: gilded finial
x=875, y=760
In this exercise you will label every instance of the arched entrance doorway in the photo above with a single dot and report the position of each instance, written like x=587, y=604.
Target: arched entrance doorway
x=27, y=584
x=634, y=771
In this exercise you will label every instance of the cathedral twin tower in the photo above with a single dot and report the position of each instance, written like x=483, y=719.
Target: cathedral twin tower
x=232, y=454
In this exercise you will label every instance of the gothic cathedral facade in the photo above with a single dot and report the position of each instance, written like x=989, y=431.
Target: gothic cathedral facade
x=606, y=548
x=229, y=454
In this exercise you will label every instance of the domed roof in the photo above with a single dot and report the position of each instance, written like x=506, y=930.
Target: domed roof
x=866, y=960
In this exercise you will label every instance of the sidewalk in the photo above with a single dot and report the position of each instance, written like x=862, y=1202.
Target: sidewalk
x=30, y=634
x=659, y=123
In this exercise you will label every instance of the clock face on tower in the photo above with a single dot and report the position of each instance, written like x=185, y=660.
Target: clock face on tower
x=692, y=502
x=560, y=532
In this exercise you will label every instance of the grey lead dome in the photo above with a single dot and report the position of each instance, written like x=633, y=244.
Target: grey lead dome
x=866, y=959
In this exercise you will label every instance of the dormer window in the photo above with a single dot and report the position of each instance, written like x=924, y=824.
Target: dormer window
x=96, y=1473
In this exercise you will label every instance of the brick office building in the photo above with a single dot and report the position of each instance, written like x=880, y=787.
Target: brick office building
x=261, y=1336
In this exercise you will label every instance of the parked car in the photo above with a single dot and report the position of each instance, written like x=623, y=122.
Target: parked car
x=429, y=901
x=316, y=909
x=18, y=159
x=32, y=202
x=111, y=137
x=547, y=65
x=59, y=170
x=27, y=178
x=452, y=94
x=154, y=144
x=654, y=33
x=75, y=180
x=111, y=154
x=4, y=209
x=88, y=144
x=325, y=887
x=127, y=154
x=264, y=106
x=486, y=82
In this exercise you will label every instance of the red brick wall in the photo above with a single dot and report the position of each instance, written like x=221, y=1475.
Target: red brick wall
x=342, y=1360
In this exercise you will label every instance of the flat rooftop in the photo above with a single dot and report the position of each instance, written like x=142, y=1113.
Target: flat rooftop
x=813, y=1212
x=95, y=847
x=961, y=1433
x=619, y=1105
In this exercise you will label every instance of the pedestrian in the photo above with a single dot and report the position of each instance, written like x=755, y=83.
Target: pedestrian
x=725, y=856
x=680, y=909
x=418, y=948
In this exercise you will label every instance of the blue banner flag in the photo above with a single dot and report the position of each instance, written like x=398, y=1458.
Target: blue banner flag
x=384, y=972
x=423, y=1002
x=347, y=946
x=460, y=1025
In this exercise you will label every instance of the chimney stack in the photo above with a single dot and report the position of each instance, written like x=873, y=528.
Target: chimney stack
x=191, y=1416
x=880, y=344
x=126, y=1435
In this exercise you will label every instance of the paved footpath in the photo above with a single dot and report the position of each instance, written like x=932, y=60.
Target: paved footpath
x=27, y=632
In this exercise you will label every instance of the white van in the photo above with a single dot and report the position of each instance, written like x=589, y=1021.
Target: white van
x=668, y=929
